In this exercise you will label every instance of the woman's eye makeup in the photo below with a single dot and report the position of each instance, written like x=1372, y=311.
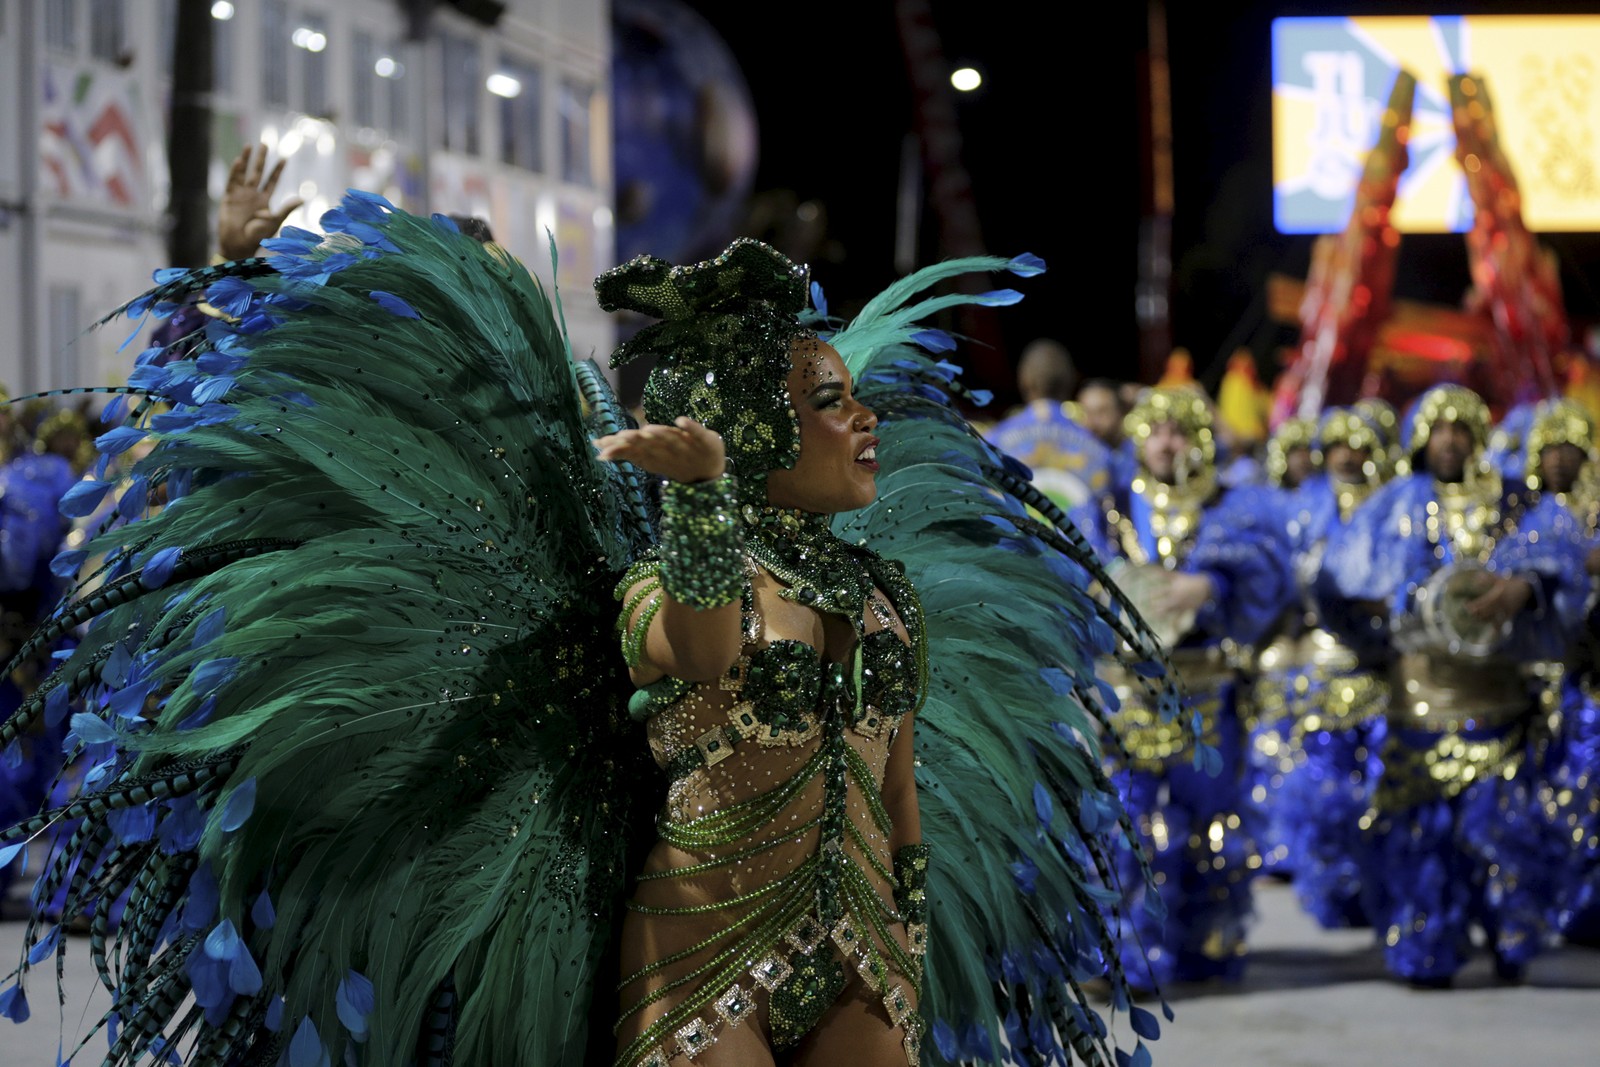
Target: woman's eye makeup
x=826, y=396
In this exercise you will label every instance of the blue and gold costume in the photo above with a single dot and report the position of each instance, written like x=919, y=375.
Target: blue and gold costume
x=1321, y=702
x=1189, y=807
x=1571, y=803
x=31, y=529
x=1452, y=812
x=1069, y=464
x=1278, y=665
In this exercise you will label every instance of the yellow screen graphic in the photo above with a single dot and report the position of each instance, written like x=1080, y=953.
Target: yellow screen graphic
x=1331, y=78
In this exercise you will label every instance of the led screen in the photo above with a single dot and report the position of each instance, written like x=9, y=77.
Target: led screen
x=1331, y=79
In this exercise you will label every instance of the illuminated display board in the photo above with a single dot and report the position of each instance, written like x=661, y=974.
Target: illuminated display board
x=1331, y=79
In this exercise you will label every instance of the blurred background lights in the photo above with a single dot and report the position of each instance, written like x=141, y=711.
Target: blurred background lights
x=503, y=85
x=386, y=67
x=222, y=11
x=309, y=39
x=966, y=79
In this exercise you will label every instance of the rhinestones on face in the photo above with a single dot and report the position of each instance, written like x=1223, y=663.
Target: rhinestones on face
x=735, y=1006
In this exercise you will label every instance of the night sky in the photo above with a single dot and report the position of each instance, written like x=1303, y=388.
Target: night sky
x=1053, y=145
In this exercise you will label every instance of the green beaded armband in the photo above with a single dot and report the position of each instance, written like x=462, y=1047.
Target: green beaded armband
x=911, y=882
x=702, y=543
x=646, y=574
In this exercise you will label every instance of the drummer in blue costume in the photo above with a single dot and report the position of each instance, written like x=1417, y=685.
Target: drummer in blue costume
x=1291, y=459
x=1322, y=700
x=31, y=485
x=1560, y=474
x=1069, y=464
x=1211, y=571
x=1435, y=562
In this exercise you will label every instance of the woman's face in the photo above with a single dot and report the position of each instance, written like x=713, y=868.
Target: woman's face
x=837, y=467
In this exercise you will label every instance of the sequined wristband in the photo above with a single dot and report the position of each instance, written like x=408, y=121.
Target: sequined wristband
x=702, y=543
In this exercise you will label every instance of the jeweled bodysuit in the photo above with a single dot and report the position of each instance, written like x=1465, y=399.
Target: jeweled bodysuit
x=771, y=888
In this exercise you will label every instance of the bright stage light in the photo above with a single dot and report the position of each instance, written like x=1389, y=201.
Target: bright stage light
x=966, y=79
x=503, y=85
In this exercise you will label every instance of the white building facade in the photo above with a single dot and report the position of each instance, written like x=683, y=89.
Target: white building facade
x=504, y=116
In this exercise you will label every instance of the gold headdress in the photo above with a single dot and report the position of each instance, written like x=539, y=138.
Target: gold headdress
x=66, y=419
x=1447, y=403
x=1290, y=435
x=1184, y=406
x=1556, y=422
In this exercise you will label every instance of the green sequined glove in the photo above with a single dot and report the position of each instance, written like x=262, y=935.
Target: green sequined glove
x=702, y=542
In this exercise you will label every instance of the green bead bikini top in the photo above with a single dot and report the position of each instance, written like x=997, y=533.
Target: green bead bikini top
x=785, y=687
x=787, y=682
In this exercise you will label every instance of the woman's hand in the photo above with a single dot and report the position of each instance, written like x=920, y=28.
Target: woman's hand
x=246, y=216
x=683, y=452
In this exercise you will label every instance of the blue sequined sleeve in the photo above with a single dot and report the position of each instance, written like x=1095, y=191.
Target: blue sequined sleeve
x=1243, y=549
x=1549, y=549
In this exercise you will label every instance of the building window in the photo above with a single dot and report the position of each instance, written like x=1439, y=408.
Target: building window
x=105, y=30
x=463, y=88
x=275, y=53
x=221, y=53
x=310, y=38
x=520, y=89
x=66, y=326
x=61, y=25
x=575, y=106
x=392, y=69
x=364, y=79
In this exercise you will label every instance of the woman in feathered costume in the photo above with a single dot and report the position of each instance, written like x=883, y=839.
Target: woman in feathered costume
x=363, y=756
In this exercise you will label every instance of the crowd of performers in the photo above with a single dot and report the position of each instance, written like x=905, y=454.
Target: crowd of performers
x=44, y=449
x=1383, y=628
x=1381, y=622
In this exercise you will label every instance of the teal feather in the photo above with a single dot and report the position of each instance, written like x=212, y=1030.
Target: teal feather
x=1005, y=595
x=395, y=504
x=415, y=668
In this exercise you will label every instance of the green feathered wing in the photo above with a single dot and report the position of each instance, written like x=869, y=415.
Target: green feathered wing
x=1019, y=816
x=356, y=718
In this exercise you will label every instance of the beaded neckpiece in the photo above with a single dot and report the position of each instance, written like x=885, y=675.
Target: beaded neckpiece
x=1351, y=495
x=820, y=570
x=1175, y=512
x=1467, y=515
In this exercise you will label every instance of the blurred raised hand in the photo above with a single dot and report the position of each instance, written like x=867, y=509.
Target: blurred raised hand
x=247, y=216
